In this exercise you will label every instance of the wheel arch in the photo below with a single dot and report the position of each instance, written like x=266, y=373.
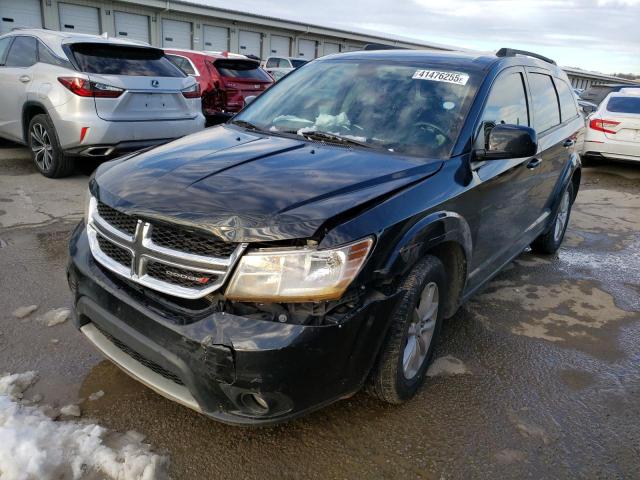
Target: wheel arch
x=445, y=235
x=30, y=110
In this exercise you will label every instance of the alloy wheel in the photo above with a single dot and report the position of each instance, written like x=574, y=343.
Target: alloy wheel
x=562, y=217
x=41, y=146
x=421, y=330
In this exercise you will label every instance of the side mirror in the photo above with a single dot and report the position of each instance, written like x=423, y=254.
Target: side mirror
x=249, y=99
x=509, y=141
x=588, y=109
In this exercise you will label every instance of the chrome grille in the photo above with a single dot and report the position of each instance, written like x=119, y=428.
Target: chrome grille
x=118, y=220
x=170, y=261
x=117, y=253
x=179, y=276
x=190, y=242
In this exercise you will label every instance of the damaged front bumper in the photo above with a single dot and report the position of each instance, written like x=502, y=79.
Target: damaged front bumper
x=234, y=369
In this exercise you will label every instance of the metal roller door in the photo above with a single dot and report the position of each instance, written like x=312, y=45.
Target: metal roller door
x=280, y=46
x=176, y=34
x=216, y=39
x=79, y=19
x=132, y=26
x=250, y=43
x=307, y=49
x=330, y=48
x=19, y=13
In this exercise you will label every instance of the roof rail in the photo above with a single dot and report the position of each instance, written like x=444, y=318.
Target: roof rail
x=512, y=52
x=380, y=46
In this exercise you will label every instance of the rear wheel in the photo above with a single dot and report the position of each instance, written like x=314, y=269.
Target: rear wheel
x=407, y=352
x=46, y=153
x=550, y=242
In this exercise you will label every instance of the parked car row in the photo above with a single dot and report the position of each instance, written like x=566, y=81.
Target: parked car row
x=68, y=96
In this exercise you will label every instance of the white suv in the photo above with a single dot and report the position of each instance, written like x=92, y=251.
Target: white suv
x=68, y=95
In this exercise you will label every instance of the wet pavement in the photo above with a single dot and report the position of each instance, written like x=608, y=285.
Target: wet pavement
x=538, y=374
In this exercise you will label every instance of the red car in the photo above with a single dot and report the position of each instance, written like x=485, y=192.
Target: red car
x=225, y=79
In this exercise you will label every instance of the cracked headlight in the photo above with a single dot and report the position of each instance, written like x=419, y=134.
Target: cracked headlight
x=297, y=274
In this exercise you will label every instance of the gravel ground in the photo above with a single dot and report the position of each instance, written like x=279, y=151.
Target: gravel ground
x=537, y=375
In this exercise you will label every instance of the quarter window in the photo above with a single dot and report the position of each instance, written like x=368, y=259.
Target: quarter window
x=182, y=63
x=23, y=52
x=4, y=46
x=545, y=102
x=567, y=100
x=45, y=56
x=272, y=63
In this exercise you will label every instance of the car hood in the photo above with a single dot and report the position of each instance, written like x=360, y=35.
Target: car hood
x=248, y=187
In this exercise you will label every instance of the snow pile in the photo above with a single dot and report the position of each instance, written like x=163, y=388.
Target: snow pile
x=33, y=446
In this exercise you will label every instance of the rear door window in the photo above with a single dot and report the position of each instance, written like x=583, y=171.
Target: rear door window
x=241, y=69
x=23, y=52
x=118, y=60
x=624, y=105
x=568, y=108
x=4, y=48
x=546, y=111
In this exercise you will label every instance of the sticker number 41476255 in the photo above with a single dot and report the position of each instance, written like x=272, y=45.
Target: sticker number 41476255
x=437, y=76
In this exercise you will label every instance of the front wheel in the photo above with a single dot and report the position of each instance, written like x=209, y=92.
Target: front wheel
x=415, y=323
x=550, y=241
x=46, y=153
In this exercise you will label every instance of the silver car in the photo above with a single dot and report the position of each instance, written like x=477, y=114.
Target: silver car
x=69, y=96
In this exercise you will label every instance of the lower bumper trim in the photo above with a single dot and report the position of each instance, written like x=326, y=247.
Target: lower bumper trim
x=138, y=371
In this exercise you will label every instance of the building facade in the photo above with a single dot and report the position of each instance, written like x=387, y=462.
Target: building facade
x=180, y=24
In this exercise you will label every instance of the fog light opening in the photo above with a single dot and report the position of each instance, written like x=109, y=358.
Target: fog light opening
x=255, y=402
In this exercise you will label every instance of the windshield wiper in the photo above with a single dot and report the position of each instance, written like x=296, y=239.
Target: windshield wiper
x=332, y=137
x=247, y=125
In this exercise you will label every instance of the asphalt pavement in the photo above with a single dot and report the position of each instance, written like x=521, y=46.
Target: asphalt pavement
x=538, y=374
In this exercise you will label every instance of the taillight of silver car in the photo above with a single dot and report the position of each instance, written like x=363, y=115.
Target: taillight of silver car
x=85, y=88
x=192, y=92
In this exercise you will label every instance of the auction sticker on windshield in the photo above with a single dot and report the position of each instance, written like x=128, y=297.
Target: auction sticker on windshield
x=438, y=76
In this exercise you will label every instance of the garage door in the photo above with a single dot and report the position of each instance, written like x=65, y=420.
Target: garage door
x=216, y=39
x=132, y=26
x=280, y=46
x=330, y=48
x=250, y=43
x=19, y=13
x=79, y=19
x=176, y=34
x=307, y=49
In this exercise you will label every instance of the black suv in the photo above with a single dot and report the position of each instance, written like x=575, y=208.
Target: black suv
x=315, y=243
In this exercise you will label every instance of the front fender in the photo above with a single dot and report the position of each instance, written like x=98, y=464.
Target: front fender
x=427, y=233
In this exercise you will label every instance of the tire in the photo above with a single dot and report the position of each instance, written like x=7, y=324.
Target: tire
x=45, y=149
x=393, y=380
x=550, y=241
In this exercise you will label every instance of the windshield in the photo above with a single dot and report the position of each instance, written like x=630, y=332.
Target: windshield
x=124, y=60
x=242, y=69
x=624, y=105
x=394, y=106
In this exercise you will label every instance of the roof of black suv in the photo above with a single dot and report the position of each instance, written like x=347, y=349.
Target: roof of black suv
x=468, y=61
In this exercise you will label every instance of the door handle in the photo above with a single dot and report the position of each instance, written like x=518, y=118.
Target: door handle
x=569, y=142
x=25, y=78
x=534, y=163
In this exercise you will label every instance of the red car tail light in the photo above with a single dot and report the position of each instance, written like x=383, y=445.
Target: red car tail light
x=192, y=92
x=86, y=88
x=601, y=125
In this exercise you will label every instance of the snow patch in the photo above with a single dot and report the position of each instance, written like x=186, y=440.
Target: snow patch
x=22, y=312
x=96, y=395
x=33, y=446
x=70, y=411
x=56, y=316
x=447, y=365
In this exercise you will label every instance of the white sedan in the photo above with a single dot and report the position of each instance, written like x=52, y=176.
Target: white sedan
x=614, y=128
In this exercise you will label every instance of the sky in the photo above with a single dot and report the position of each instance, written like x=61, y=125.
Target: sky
x=599, y=35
